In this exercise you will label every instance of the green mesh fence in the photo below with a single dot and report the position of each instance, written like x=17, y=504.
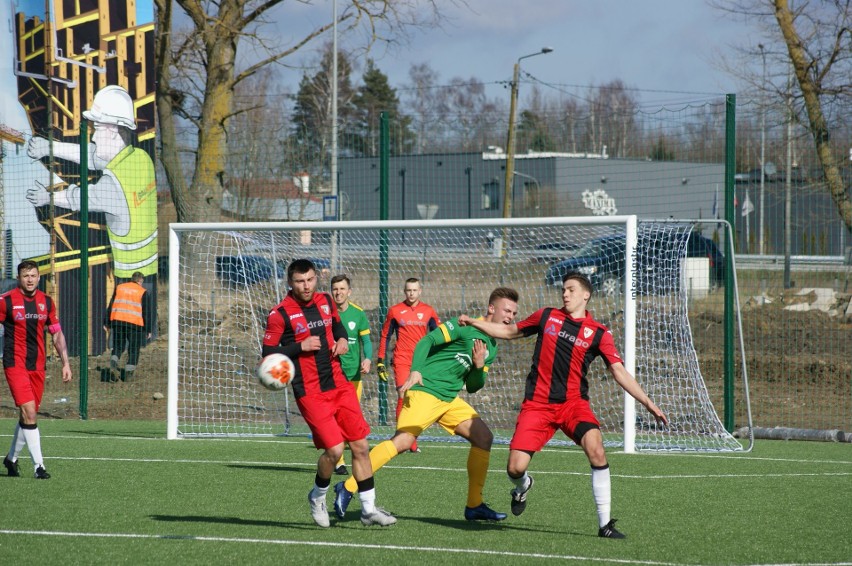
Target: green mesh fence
x=593, y=155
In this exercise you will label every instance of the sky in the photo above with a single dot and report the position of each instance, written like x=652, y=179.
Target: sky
x=652, y=45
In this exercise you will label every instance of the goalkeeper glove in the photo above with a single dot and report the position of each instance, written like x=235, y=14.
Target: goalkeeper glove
x=381, y=370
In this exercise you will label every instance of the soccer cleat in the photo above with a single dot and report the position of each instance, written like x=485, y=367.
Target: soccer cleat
x=341, y=470
x=319, y=512
x=378, y=517
x=41, y=474
x=482, y=513
x=609, y=531
x=519, y=500
x=342, y=497
x=12, y=467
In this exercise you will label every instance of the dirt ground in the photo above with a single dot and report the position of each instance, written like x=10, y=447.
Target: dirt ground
x=799, y=368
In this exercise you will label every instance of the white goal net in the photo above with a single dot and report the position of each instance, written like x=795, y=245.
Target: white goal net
x=225, y=278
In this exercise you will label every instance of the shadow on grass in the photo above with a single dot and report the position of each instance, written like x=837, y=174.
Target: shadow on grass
x=122, y=434
x=231, y=521
x=273, y=468
x=465, y=525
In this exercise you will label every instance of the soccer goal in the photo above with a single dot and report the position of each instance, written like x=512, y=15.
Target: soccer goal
x=224, y=279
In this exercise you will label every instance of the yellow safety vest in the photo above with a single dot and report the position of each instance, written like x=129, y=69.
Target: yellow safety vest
x=137, y=250
x=127, y=304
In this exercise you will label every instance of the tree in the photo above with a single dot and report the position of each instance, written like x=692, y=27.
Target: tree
x=374, y=97
x=310, y=142
x=197, y=73
x=813, y=39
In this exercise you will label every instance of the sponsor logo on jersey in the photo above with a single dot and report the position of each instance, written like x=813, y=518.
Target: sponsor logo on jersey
x=554, y=320
x=403, y=311
x=464, y=359
x=449, y=325
x=300, y=328
x=573, y=339
x=297, y=315
x=550, y=330
x=587, y=332
x=317, y=323
x=17, y=307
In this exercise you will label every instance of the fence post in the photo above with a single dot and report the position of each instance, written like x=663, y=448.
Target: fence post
x=730, y=216
x=83, y=327
x=384, y=167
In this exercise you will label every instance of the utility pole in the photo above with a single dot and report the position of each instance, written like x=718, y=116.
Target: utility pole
x=761, y=228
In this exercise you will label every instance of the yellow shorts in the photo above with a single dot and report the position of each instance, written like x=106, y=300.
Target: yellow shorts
x=359, y=388
x=421, y=409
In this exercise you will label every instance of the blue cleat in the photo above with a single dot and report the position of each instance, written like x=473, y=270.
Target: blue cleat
x=342, y=497
x=482, y=513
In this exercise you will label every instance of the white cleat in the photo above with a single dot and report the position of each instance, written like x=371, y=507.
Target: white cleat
x=319, y=511
x=378, y=517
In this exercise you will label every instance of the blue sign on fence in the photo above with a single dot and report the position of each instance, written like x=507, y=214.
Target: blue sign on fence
x=329, y=208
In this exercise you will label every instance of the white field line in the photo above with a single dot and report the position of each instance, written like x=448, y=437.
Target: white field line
x=440, y=469
x=386, y=547
x=456, y=446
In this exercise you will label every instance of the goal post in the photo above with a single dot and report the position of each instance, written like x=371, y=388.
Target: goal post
x=225, y=277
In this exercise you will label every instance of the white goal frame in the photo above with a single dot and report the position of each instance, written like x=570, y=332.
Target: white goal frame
x=628, y=349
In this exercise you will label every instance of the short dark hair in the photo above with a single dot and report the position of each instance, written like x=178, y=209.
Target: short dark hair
x=339, y=278
x=137, y=276
x=580, y=278
x=26, y=265
x=299, y=266
x=412, y=280
x=503, y=293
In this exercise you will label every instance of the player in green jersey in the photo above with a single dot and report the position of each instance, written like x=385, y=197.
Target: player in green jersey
x=445, y=360
x=356, y=361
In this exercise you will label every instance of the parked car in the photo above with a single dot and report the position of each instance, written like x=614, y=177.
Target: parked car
x=602, y=261
x=548, y=252
x=241, y=271
x=244, y=270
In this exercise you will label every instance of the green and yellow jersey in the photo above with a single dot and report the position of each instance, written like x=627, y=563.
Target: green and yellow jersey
x=357, y=326
x=444, y=358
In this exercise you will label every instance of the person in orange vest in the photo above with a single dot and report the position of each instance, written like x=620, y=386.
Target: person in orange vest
x=128, y=317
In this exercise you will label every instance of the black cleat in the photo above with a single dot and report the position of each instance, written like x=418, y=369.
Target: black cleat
x=12, y=467
x=41, y=474
x=341, y=470
x=519, y=500
x=609, y=531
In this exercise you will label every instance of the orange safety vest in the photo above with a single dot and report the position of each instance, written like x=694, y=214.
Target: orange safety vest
x=127, y=304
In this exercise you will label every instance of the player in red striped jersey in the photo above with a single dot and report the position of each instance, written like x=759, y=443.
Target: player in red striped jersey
x=26, y=313
x=410, y=320
x=306, y=327
x=556, y=396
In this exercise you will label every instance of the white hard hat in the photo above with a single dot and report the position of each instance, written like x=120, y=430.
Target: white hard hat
x=112, y=105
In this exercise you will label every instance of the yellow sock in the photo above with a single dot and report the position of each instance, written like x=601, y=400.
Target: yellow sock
x=341, y=462
x=380, y=455
x=477, y=469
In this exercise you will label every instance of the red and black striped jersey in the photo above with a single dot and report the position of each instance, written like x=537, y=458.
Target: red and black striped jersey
x=25, y=320
x=290, y=323
x=563, y=352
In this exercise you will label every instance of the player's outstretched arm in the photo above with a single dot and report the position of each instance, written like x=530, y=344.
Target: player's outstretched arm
x=629, y=384
x=493, y=329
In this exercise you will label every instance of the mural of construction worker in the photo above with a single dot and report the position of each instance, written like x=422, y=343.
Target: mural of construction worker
x=126, y=192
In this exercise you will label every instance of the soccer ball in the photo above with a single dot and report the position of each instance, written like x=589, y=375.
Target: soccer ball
x=275, y=371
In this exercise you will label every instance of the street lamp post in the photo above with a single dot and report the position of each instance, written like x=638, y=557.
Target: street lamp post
x=510, y=142
x=761, y=229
